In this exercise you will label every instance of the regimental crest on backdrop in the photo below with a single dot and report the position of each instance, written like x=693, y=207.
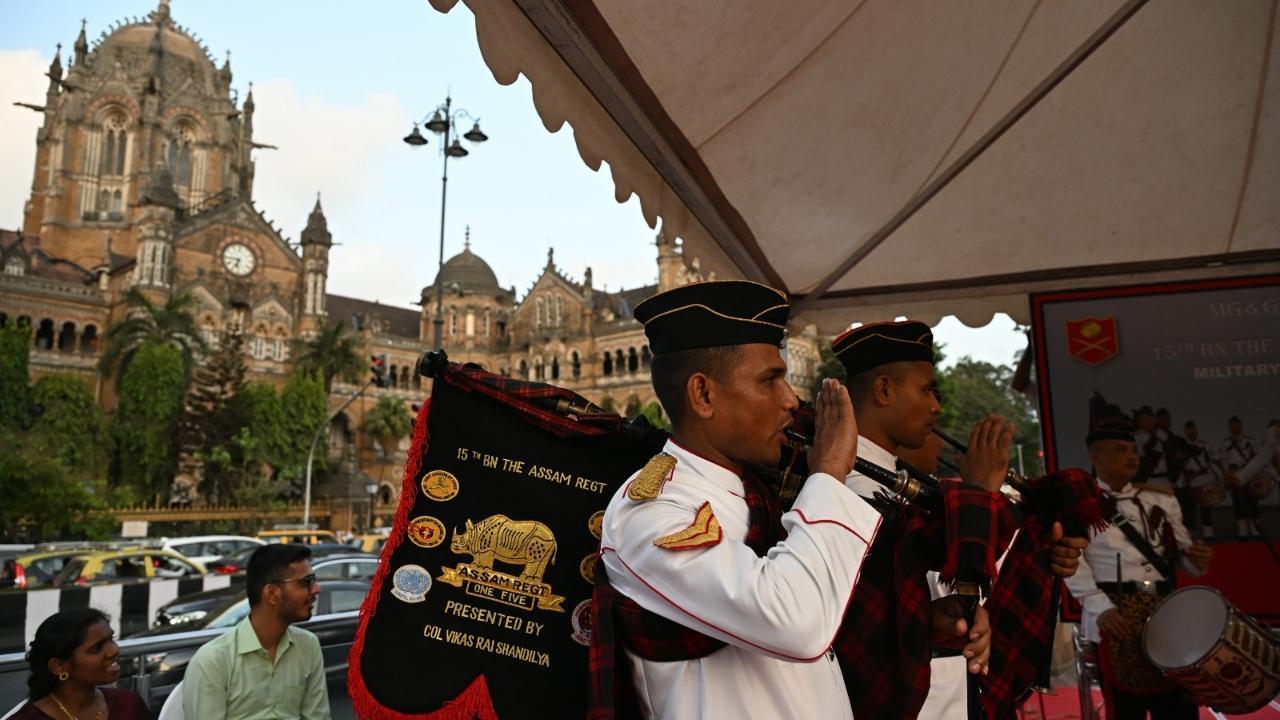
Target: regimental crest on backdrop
x=1093, y=340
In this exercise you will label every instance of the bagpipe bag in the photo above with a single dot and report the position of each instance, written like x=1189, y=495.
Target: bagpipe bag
x=481, y=603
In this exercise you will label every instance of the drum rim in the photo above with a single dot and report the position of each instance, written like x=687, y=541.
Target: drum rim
x=1222, y=633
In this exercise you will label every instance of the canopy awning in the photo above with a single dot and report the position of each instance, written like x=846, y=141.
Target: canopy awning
x=877, y=158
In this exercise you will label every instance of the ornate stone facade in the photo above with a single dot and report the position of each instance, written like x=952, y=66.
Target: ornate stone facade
x=144, y=178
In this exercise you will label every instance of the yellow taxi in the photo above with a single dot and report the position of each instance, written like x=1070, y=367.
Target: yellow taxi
x=303, y=536
x=369, y=542
x=39, y=565
x=126, y=564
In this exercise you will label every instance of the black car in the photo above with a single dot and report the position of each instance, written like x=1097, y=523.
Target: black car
x=336, y=597
x=328, y=569
x=227, y=606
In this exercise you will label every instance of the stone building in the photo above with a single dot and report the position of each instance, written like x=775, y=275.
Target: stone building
x=144, y=178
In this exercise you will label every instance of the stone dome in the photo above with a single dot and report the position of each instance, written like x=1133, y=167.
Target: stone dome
x=174, y=40
x=471, y=274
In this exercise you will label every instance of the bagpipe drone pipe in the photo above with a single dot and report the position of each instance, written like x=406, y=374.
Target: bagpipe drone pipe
x=958, y=530
x=480, y=607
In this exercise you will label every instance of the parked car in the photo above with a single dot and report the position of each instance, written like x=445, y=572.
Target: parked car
x=334, y=624
x=333, y=568
x=235, y=564
x=129, y=564
x=227, y=606
x=369, y=542
x=205, y=549
x=38, y=566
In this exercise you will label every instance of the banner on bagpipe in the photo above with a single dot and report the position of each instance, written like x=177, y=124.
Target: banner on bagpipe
x=481, y=604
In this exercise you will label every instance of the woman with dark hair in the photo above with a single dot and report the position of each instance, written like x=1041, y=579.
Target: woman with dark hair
x=72, y=654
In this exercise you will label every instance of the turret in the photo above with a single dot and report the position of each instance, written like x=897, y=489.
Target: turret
x=316, y=241
x=158, y=203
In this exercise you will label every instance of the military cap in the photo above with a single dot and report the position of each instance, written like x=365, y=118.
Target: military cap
x=1115, y=428
x=871, y=346
x=711, y=314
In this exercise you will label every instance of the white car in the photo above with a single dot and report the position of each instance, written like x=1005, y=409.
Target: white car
x=207, y=548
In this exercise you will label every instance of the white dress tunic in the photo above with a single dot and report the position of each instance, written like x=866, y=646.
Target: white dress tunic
x=779, y=614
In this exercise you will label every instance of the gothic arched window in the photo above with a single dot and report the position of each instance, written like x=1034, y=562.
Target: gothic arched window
x=15, y=266
x=178, y=156
x=607, y=369
x=89, y=339
x=116, y=144
x=537, y=312
x=633, y=360
x=67, y=338
x=555, y=368
x=577, y=365
x=44, y=335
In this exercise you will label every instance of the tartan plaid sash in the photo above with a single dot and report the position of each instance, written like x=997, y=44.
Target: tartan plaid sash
x=1023, y=605
x=617, y=621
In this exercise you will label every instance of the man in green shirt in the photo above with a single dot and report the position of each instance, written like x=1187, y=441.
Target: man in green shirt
x=264, y=669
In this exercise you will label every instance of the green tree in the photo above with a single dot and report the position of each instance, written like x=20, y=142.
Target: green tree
x=653, y=412
x=829, y=366
x=607, y=404
x=633, y=406
x=334, y=352
x=978, y=388
x=151, y=400
x=281, y=424
x=42, y=500
x=15, y=356
x=68, y=424
x=211, y=417
x=148, y=323
x=388, y=421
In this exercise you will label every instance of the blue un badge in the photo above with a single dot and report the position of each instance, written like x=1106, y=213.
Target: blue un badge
x=412, y=583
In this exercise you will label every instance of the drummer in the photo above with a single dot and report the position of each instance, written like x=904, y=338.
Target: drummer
x=1131, y=685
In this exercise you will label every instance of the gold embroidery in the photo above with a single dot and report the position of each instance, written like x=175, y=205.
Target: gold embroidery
x=703, y=532
x=648, y=483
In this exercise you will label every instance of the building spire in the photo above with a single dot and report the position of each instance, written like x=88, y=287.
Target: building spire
x=466, y=244
x=55, y=67
x=82, y=42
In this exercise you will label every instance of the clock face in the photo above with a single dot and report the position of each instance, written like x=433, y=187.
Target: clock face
x=238, y=259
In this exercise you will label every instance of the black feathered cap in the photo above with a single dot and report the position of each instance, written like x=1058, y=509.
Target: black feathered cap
x=711, y=314
x=871, y=346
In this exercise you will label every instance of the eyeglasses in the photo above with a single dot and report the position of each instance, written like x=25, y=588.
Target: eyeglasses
x=307, y=581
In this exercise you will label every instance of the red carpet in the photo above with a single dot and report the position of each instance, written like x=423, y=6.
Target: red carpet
x=1065, y=705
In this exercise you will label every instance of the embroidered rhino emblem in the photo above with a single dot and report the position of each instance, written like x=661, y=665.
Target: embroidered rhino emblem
x=518, y=542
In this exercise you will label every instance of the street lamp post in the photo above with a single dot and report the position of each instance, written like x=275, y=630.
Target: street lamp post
x=311, y=454
x=372, y=489
x=443, y=122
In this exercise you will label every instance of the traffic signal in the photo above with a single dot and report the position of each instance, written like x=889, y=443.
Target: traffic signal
x=379, y=370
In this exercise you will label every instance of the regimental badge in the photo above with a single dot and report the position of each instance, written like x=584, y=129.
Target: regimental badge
x=595, y=524
x=426, y=531
x=528, y=543
x=580, y=619
x=412, y=583
x=1093, y=341
x=704, y=531
x=588, y=568
x=649, y=481
x=440, y=485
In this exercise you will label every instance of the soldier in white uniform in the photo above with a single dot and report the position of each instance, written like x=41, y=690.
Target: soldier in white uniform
x=674, y=535
x=1238, y=451
x=1153, y=447
x=1202, y=472
x=1266, y=463
x=1100, y=582
x=891, y=380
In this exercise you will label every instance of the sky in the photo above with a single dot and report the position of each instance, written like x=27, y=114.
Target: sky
x=337, y=85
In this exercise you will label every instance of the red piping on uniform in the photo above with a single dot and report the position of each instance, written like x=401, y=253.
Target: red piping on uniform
x=740, y=639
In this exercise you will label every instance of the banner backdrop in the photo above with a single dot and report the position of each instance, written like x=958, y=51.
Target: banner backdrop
x=481, y=605
x=1204, y=352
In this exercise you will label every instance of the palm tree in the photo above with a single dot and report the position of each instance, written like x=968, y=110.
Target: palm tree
x=169, y=324
x=333, y=352
x=388, y=421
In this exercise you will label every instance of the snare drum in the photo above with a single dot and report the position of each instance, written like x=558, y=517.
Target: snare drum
x=1209, y=494
x=1259, y=487
x=1219, y=655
